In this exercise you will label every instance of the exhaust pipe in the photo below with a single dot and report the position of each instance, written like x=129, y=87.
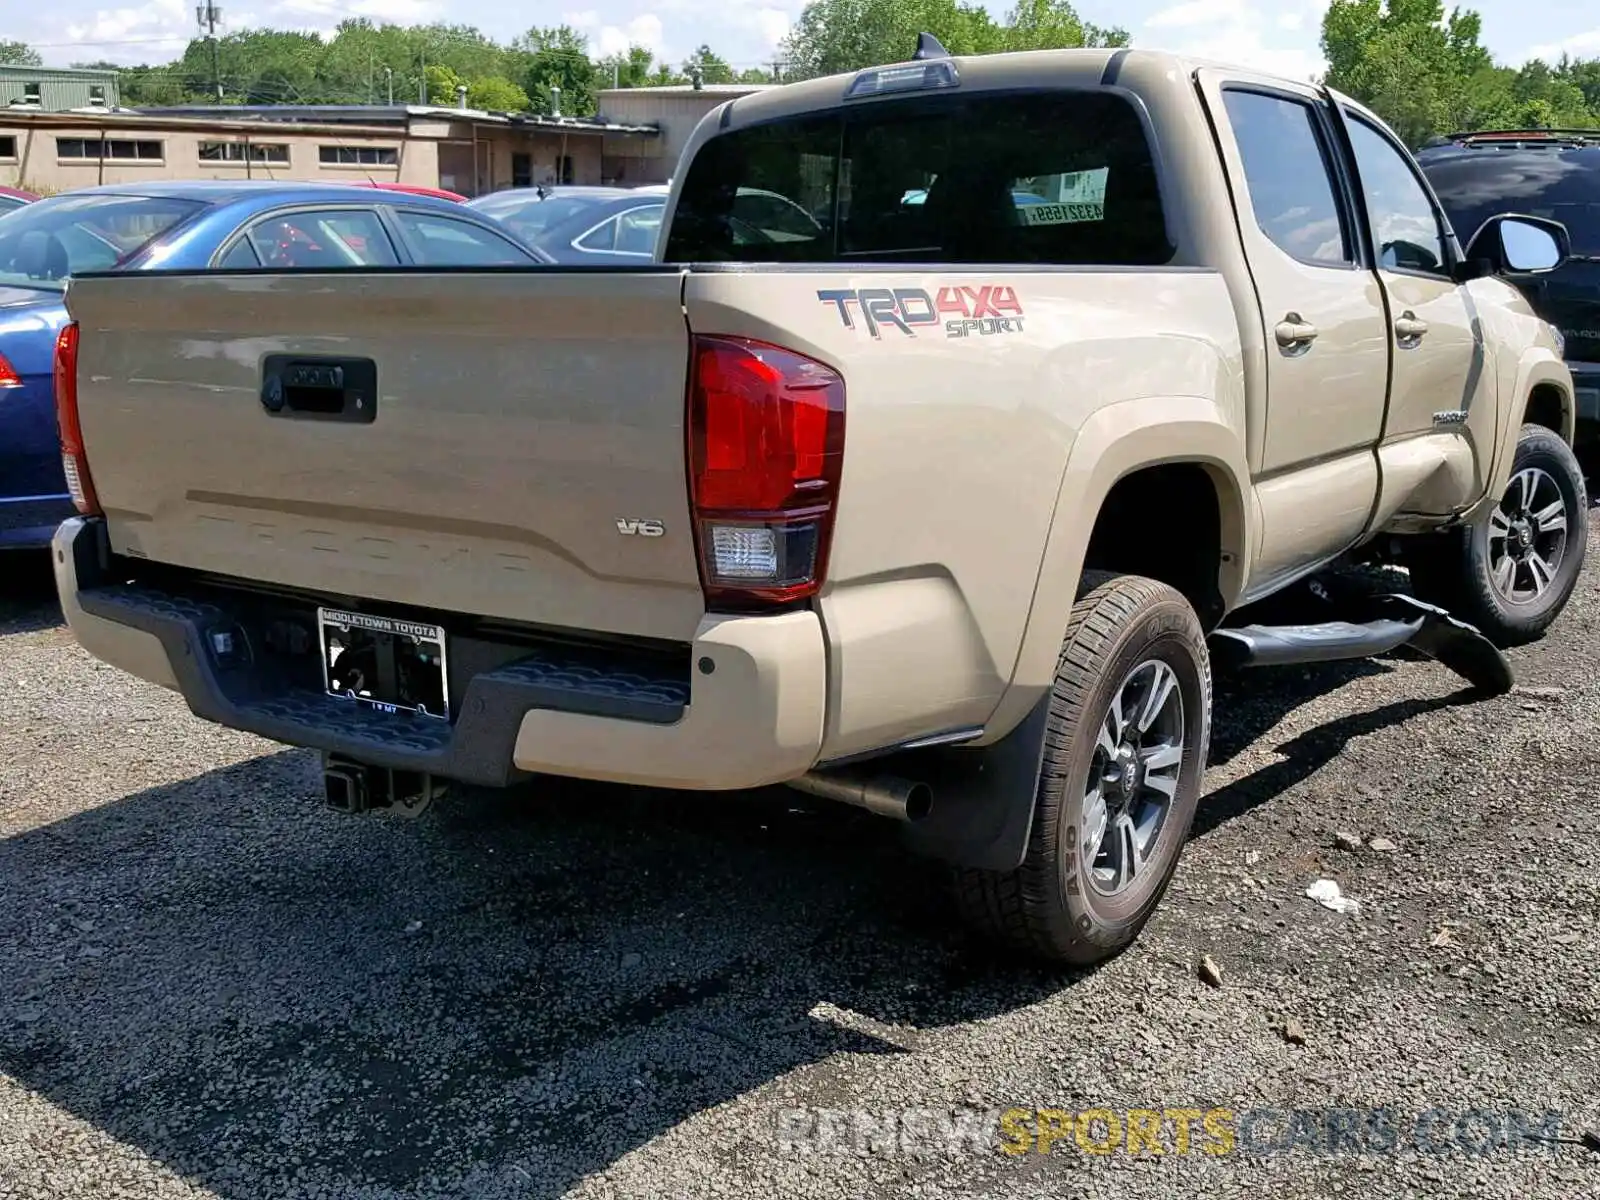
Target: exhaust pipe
x=887, y=795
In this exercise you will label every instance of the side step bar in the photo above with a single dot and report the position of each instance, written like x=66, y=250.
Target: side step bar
x=1392, y=620
x=1326, y=641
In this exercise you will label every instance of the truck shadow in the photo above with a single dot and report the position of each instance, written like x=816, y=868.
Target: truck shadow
x=508, y=994
x=1253, y=711
x=27, y=592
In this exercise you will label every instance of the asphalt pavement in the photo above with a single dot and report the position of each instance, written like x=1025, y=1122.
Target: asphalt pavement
x=213, y=986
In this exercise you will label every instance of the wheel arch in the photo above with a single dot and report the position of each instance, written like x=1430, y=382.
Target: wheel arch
x=1176, y=460
x=1542, y=394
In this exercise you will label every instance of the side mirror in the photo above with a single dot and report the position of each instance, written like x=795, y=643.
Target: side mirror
x=1519, y=245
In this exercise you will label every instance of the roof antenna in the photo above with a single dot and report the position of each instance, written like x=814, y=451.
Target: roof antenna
x=928, y=47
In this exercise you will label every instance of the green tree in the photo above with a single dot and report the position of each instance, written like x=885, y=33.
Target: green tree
x=257, y=66
x=629, y=70
x=1055, y=25
x=1427, y=73
x=1423, y=72
x=443, y=84
x=19, y=54
x=496, y=93
x=845, y=35
x=558, y=57
x=1585, y=76
x=711, y=68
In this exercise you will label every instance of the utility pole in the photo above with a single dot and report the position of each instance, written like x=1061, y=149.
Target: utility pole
x=206, y=16
x=388, y=75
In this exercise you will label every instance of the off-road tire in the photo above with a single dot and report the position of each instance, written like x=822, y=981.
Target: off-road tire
x=1046, y=907
x=1452, y=569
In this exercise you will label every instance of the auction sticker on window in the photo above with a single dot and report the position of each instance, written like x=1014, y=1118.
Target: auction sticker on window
x=1060, y=214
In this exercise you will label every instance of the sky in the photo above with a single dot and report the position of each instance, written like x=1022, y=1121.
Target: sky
x=1272, y=35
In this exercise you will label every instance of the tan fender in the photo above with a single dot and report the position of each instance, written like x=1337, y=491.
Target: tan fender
x=1538, y=365
x=1116, y=441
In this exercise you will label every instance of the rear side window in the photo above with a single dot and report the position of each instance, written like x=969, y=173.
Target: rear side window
x=322, y=241
x=1056, y=177
x=1560, y=184
x=446, y=242
x=1286, y=169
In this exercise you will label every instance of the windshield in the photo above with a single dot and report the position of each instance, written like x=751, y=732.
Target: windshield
x=44, y=243
x=1562, y=185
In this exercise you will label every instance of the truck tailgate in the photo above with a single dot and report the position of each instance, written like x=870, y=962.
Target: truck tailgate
x=522, y=443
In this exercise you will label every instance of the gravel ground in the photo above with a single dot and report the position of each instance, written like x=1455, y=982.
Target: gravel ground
x=212, y=986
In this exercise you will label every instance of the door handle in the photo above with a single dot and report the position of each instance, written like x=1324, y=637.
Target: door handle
x=320, y=388
x=1294, y=332
x=1409, y=328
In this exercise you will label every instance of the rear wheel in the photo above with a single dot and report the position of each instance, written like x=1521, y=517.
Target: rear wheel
x=1125, y=751
x=1512, y=573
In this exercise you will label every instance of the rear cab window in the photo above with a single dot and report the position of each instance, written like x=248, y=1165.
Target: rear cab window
x=1064, y=177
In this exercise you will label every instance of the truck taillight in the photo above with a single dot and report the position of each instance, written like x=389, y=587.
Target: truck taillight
x=73, y=462
x=766, y=449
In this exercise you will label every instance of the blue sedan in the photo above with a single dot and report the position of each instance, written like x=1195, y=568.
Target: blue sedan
x=222, y=225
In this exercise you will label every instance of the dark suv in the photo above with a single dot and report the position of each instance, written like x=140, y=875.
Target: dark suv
x=1543, y=173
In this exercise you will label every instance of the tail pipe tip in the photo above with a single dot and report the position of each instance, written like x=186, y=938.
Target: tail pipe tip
x=890, y=796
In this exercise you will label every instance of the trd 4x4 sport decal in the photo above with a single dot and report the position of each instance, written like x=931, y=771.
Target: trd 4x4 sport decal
x=962, y=311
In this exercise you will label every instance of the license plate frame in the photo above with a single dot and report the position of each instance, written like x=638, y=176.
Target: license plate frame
x=385, y=663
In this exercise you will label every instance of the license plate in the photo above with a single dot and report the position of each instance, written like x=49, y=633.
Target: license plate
x=393, y=666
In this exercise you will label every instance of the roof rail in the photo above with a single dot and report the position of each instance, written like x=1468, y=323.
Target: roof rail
x=1530, y=135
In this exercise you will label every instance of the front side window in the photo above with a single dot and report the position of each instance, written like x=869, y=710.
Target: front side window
x=337, y=239
x=1404, y=224
x=1052, y=177
x=1286, y=171
x=445, y=242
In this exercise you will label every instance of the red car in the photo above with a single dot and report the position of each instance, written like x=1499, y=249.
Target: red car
x=13, y=198
x=416, y=189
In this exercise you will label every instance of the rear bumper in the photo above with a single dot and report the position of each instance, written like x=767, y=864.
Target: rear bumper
x=746, y=708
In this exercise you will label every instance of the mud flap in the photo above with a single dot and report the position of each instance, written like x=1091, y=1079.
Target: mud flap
x=983, y=799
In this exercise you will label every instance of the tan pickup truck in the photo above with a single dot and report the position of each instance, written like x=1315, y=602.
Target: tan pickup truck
x=938, y=495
